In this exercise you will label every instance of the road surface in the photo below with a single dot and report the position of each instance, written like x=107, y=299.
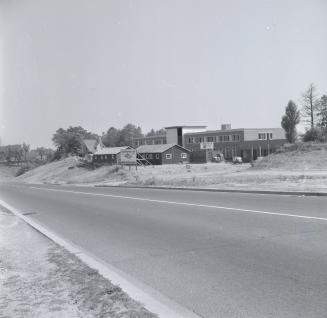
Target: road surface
x=217, y=254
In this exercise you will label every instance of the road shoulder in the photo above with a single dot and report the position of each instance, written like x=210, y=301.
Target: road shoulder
x=38, y=278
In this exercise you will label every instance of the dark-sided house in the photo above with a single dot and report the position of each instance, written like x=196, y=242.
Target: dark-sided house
x=108, y=155
x=164, y=154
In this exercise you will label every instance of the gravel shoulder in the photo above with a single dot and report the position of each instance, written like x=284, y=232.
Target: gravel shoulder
x=41, y=279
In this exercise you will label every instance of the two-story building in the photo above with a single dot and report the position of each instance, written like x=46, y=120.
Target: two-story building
x=248, y=143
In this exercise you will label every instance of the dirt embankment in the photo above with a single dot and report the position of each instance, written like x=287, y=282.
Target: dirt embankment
x=301, y=167
x=301, y=156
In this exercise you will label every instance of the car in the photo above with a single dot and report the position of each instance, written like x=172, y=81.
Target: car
x=237, y=160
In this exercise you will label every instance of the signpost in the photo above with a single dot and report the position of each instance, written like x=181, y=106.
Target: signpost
x=128, y=157
x=206, y=145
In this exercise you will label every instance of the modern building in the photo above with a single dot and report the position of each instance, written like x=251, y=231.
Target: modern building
x=149, y=140
x=248, y=143
x=164, y=154
x=174, y=135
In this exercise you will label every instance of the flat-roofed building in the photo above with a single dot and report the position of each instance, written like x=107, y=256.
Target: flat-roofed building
x=173, y=135
x=149, y=140
x=248, y=143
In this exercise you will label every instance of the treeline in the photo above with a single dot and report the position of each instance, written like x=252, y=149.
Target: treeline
x=313, y=113
x=70, y=141
x=20, y=153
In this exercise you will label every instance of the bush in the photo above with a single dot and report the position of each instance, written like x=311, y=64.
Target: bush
x=24, y=168
x=314, y=134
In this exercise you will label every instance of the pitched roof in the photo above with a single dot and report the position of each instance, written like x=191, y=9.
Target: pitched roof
x=110, y=150
x=157, y=148
x=91, y=145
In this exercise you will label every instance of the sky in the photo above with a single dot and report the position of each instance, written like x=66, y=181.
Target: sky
x=155, y=63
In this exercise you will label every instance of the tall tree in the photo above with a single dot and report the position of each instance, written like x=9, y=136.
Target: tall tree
x=322, y=121
x=290, y=120
x=128, y=133
x=111, y=138
x=26, y=149
x=41, y=151
x=69, y=141
x=310, y=104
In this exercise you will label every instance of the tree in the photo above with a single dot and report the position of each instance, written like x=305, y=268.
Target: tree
x=69, y=141
x=111, y=138
x=290, y=120
x=153, y=132
x=322, y=114
x=26, y=149
x=313, y=134
x=128, y=133
x=41, y=151
x=310, y=104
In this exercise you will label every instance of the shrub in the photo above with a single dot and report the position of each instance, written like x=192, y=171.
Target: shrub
x=314, y=134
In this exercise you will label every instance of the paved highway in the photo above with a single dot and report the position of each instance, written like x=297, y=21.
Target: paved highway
x=217, y=254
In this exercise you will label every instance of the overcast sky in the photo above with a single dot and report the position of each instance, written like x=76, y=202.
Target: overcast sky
x=155, y=63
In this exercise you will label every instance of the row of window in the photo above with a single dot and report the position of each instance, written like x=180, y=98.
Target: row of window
x=104, y=157
x=221, y=138
x=150, y=142
x=168, y=156
x=265, y=136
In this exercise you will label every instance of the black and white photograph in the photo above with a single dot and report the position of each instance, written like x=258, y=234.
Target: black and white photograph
x=163, y=159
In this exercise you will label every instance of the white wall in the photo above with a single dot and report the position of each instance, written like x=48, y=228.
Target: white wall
x=252, y=134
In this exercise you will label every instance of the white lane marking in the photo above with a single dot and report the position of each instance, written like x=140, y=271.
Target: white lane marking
x=153, y=300
x=185, y=204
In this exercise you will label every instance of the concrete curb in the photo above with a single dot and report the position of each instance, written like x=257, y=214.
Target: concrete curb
x=152, y=300
x=296, y=193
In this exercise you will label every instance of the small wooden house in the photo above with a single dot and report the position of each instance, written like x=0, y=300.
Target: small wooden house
x=108, y=155
x=164, y=154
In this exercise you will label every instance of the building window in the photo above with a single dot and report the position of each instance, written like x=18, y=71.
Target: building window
x=270, y=136
x=190, y=140
x=262, y=136
x=168, y=156
x=184, y=155
x=221, y=138
x=210, y=139
x=157, y=156
x=236, y=137
x=226, y=138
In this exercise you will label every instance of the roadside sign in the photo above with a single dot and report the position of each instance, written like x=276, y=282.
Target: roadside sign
x=128, y=157
x=206, y=145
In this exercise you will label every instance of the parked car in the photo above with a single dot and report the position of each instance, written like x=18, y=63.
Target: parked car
x=237, y=160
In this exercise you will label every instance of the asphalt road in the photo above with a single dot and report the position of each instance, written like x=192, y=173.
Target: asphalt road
x=217, y=254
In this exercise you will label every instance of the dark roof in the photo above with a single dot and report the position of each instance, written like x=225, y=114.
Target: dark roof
x=157, y=148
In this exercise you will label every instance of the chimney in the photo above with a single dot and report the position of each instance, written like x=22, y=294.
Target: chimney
x=226, y=126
